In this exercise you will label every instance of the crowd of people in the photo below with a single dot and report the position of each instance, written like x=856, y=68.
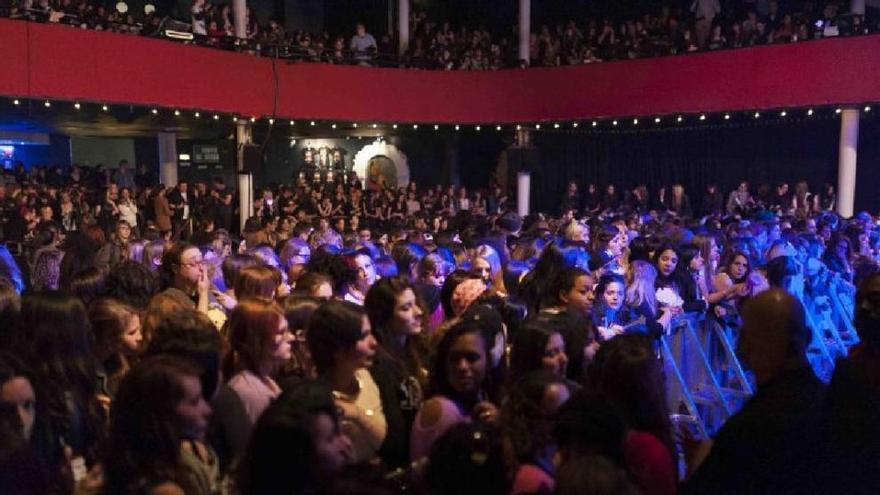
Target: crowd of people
x=356, y=338
x=669, y=29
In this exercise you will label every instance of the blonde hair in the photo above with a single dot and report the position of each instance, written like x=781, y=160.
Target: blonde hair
x=640, y=284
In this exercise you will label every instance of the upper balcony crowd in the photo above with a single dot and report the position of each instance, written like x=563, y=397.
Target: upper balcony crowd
x=668, y=29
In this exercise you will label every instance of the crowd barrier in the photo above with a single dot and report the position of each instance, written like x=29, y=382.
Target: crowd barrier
x=707, y=383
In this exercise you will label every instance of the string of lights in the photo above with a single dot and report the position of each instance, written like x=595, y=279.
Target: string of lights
x=630, y=123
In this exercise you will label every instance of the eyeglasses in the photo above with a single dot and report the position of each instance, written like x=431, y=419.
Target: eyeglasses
x=193, y=263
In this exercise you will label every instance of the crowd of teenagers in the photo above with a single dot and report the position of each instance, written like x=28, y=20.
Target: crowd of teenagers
x=362, y=339
x=667, y=29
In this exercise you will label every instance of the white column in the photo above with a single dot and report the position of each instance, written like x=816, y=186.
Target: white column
x=525, y=28
x=167, y=158
x=245, y=178
x=402, y=26
x=846, y=161
x=239, y=18
x=857, y=7
x=523, y=190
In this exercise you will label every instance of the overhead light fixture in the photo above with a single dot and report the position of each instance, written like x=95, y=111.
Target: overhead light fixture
x=867, y=108
x=292, y=122
x=333, y=126
x=783, y=113
x=271, y=121
x=177, y=113
x=575, y=125
x=47, y=104
x=197, y=115
x=355, y=125
x=394, y=126
x=497, y=127
x=757, y=115
x=595, y=123
x=16, y=102
x=374, y=126
x=635, y=121
x=837, y=111
x=104, y=108
x=253, y=119
x=76, y=105
x=556, y=126
x=518, y=127
x=656, y=120
x=679, y=119
x=436, y=127
x=457, y=127
x=415, y=126
x=726, y=116
x=538, y=127
x=810, y=112
x=614, y=122
x=703, y=117
x=477, y=128
x=216, y=117
x=312, y=123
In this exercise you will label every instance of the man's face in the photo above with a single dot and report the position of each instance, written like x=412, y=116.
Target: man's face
x=182, y=187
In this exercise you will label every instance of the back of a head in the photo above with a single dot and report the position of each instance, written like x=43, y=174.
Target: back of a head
x=132, y=283
x=258, y=281
x=281, y=457
x=468, y=459
x=190, y=334
x=627, y=372
x=589, y=424
x=774, y=335
x=593, y=475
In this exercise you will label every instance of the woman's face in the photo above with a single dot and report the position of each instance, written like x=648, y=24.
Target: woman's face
x=332, y=448
x=132, y=337
x=739, y=267
x=579, y=298
x=613, y=295
x=554, y=358
x=282, y=341
x=365, y=348
x=407, y=314
x=667, y=262
x=193, y=411
x=466, y=363
x=19, y=393
x=616, y=245
x=366, y=272
x=483, y=269
x=123, y=231
x=697, y=263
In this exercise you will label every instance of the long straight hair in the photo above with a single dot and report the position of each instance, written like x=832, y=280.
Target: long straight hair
x=640, y=289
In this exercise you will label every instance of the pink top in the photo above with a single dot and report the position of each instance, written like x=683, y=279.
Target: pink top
x=254, y=392
x=422, y=438
x=650, y=463
x=532, y=479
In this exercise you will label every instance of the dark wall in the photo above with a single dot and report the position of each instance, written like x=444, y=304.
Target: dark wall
x=759, y=152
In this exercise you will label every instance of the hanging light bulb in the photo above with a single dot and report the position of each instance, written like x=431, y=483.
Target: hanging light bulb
x=216, y=117
x=702, y=117
x=76, y=105
x=726, y=116
x=538, y=127
x=271, y=121
x=810, y=112
x=679, y=119
x=595, y=123
x=394, y=126
x=312, y=123
x=635, y=121
x=614, y=122
x=436, y=127
x=757, y=115
x=556, y=126
x=477, y=128
x=415, y=127
x=16, y=102
x=47, y=104
x=656, y=120
x=783, y=113
x=155, y=111
x=292, y=122
x=197, y=115
x=457, y=127
x=575, y=125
